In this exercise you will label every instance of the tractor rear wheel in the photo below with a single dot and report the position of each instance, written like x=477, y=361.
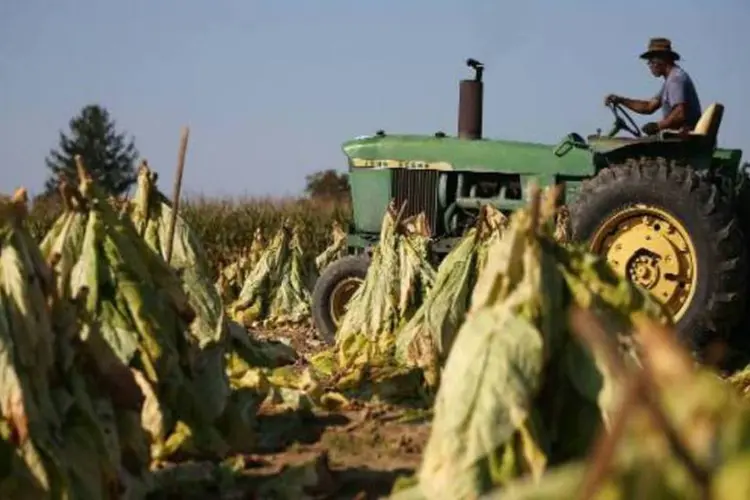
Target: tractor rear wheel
x=673, y=233
x=333, y=290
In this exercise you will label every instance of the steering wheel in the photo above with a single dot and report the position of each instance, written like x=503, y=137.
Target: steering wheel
x=623, y=121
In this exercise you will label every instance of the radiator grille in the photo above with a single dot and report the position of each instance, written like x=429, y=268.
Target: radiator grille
x=420, y=189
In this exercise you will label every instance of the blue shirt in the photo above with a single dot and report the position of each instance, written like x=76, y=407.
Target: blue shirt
x=678, y=88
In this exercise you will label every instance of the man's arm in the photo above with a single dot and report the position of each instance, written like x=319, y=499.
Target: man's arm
x=675, y=89
x=640, y=106
x=637, y=105
x=675, y=120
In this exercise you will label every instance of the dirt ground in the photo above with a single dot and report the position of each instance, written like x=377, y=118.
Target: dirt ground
x=358, y=453
x=365, y=449
x=304, y=340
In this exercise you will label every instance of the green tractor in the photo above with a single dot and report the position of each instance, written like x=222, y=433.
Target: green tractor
x=667, y=211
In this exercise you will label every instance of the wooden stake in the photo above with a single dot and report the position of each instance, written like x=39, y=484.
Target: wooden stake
x=83, y=175
x=534, y=202
x=176, y=192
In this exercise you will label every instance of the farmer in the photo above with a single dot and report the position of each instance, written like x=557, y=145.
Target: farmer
x=677, y=98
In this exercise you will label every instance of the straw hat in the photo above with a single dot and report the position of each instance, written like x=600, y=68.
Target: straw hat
x=658, y=47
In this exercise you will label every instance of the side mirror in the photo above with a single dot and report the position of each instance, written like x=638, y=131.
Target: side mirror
x=571, y=141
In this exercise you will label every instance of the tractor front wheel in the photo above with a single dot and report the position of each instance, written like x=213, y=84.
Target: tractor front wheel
x=674, y=234
x=333, y=290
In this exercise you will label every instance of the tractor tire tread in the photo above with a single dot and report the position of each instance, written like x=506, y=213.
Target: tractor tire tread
x=725, y=307
x=350, y=265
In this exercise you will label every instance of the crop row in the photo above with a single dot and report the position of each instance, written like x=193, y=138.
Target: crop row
x=225, y=226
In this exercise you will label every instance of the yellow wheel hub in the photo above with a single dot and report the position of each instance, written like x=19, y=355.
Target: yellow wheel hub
x=340, y=296
x=653, y=249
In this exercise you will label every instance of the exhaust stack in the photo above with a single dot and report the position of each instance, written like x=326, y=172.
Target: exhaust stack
x=470, y=103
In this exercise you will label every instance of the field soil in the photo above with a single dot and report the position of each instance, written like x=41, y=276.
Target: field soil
x=365, y=448
x=357, y=453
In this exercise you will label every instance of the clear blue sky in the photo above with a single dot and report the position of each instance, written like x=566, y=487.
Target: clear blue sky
x=271, y=89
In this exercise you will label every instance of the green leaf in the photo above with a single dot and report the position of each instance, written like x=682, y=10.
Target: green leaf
x=488, y=386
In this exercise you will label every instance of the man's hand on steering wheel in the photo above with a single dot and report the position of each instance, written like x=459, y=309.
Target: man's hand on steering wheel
x=611, y=99
x=622, y=119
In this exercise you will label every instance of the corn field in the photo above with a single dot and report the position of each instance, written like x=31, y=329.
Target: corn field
x=226, y=226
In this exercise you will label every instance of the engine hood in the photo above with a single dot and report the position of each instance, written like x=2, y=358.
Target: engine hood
x=452, y=153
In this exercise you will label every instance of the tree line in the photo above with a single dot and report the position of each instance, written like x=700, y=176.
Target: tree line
x=111, y=157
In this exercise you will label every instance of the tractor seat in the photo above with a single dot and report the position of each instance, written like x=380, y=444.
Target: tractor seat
x=706, y=129
x=709, y=122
